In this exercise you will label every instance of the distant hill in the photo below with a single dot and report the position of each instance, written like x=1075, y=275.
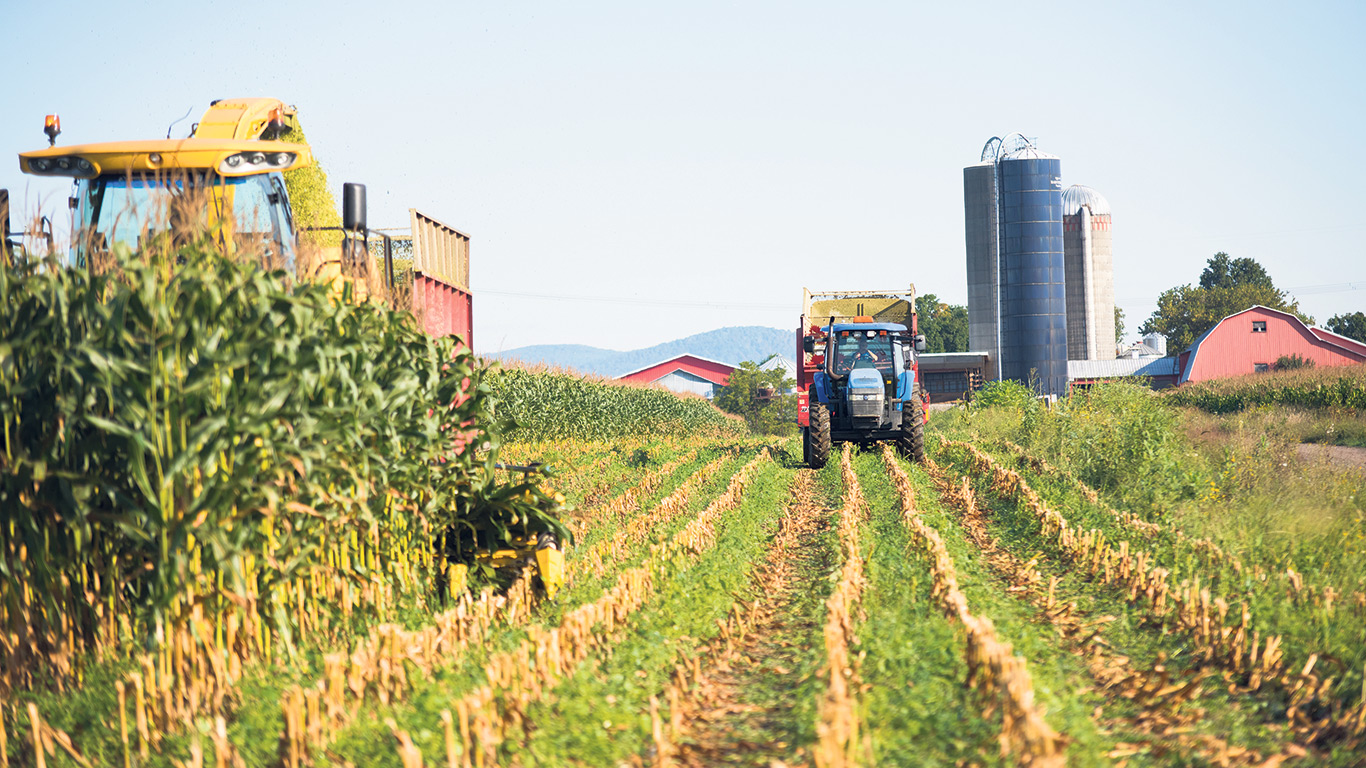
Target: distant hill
x=728, y=345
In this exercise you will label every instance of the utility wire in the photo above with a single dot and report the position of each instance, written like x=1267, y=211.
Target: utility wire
x=638, y=301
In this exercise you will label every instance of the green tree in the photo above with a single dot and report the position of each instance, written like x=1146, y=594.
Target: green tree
x=759, y=396
x=1223, y=272
x=945, y=326
x=1352, y=325
x=1119, y=326
x=1226, y=286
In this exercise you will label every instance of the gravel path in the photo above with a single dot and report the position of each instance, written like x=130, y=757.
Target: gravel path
x=1345, y=456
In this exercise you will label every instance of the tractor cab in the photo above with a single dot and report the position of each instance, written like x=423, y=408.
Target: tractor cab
x=868, y=374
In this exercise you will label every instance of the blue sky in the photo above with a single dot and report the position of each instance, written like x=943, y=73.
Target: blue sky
x=635, y=172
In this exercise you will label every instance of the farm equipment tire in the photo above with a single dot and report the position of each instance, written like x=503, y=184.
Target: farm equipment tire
x=912, y=440
x=818, y=436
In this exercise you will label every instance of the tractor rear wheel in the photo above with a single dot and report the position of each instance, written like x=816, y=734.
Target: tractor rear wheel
x=912, y=440
x=818, y=436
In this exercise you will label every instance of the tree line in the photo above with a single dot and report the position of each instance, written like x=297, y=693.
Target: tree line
x=1228, y=285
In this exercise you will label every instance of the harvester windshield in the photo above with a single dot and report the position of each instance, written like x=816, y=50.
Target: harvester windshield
x=245, y=214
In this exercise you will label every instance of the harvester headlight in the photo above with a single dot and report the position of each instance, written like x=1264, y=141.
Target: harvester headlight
x=241, y=162
x=71, y=165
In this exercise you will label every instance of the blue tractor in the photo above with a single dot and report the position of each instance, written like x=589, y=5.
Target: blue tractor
x=858, y=377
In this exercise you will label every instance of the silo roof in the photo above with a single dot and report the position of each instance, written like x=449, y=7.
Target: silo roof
x=1028, y=153
x=1075, y=196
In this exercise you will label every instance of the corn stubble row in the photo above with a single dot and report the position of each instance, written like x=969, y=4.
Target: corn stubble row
x=620, y=507
x=1231, y=642
x=1210, y=551
x=837, y=727
x=688, y=691
x=494, y=712
x=993, y=668
x=192, y=673
x=1160, y=691
x=597, y=559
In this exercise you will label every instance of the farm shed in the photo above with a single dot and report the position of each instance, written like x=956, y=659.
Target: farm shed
x=1252, y=340
x=684, y=373
x=949, y=376
x=1161, y=371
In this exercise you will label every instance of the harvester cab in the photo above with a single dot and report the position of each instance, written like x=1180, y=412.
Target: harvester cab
x=858, y=378
x=225, y=180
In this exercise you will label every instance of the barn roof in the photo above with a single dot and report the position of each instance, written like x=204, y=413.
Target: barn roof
x=708, y=375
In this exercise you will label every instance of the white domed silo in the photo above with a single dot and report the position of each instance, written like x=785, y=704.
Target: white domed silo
x=1088, y=253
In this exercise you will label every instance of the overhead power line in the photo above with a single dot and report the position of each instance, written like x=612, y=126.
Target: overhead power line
x=640, y=301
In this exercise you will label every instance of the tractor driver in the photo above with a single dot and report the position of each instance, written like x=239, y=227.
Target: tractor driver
x=862, y=354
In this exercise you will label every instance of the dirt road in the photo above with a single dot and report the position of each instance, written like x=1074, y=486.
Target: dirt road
x=1344, y=456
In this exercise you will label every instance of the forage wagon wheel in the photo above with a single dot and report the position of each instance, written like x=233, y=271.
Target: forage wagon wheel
x=818, y=436
x=912, y=440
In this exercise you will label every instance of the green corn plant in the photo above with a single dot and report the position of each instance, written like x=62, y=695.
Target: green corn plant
x=188, y=430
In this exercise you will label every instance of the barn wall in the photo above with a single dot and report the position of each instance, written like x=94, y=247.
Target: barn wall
x=1233, y=349
x=682, y=381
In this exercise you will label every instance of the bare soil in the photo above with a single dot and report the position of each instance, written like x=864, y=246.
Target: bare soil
x=742, y=718
x=1342, y=456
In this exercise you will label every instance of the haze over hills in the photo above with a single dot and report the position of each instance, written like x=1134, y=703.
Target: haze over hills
x=731, y=345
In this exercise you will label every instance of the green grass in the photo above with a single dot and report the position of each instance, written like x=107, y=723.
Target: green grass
x=600, y=716
x=916, y=708
x=1248, y=720
x=570, y=723
x=1060, y=677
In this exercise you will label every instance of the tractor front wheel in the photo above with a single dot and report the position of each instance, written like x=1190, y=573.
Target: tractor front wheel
x=818, y=436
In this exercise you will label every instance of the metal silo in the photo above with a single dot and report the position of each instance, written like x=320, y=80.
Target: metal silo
x=1089, y=259
x=1033, y=285
x=979, y=208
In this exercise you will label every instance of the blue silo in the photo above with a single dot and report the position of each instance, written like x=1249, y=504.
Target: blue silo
x=1033, y=287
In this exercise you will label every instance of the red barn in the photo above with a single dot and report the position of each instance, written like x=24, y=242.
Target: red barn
x=684, y=373
x=1252, y=340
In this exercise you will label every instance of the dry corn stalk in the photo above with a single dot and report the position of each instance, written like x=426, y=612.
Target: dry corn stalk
x=837, y=738
x=597, y=559
x=993, y=668
x=494, y=712
x=1229, y=641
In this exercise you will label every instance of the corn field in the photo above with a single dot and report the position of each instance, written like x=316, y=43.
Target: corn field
x=247, y=524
